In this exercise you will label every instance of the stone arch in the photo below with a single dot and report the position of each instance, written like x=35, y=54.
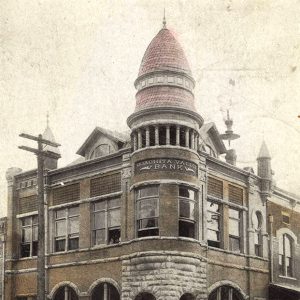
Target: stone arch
x=144, y=295
x=187, y=296
x=103, y=280
x=287, y=231
x=62, y=284
x=227, y=283
x=253, y=215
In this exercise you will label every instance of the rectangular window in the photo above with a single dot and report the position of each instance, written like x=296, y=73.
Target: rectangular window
x=67, y=229
x=29, y=236
x=106, y=222
x=187, y=198
x=147, y=211
x=235, y=194
x=234, y=230
x=214, y=224
x=285, y=217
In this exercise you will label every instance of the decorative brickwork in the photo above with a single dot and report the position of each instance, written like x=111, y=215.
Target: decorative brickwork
x=66, y=194
x=106, y=185
x=235, y=194
x=165, y=275
x=27, y=204
x=215, y=187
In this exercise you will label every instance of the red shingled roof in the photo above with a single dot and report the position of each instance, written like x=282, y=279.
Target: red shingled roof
x=164, y=96
x=164, y=53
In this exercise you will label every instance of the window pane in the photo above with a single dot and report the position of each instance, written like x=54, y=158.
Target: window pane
x=73, y=243
x=289, y=267
x=288, y=250
x=114, y=203
x=213, y=221
x=34, y=248
x=147, y=223
x=148, y=192
x=73, y=211
x=281, y=244
x=213, y=235
x=34, y=220
x=60, y=214
x=233, y=213
x=26, y=221
x=99, y=205
x=35, y=233
x=186, y=209
x=99, y=237
x=213, y=207
x=147, y=208
x=26, y=235
x=114, y=236
x=60, y=245
x=186, y=229
x=25, y=250
x=234, y=244
x=73, y=225
x=186, y=192
x=60, y=228
x=114, y=217
x=234, y=227
x=99, y=220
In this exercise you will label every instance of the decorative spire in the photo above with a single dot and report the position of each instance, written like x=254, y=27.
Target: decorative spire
x=264, y=151
x=47, y=119
x=164, y=20
x=229, y=134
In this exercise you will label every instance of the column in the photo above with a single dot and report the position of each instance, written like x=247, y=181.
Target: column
x=66, y=293
x=147, y=137
x=177, y=135
x=168, y=135
x=187, y=137
x=105, y=291
x=192, y=139
x=139, y=139
x=156, y=136
x=134, y=141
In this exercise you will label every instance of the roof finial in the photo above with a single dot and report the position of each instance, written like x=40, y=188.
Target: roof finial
x=47, y=119
x=164, y=19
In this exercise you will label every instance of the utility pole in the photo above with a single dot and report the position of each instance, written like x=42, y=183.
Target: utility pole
x=41, y=155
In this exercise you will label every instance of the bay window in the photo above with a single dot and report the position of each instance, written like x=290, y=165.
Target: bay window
x=147, y=212
x=67, y=229
x=187, y=198
x=106, y=222
x=29, y=236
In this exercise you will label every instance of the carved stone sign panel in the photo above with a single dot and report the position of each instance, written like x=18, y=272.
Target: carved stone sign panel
x=166, y=164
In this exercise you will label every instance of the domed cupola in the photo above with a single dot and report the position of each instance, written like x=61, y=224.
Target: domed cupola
x=165, y=78
x=165, y=112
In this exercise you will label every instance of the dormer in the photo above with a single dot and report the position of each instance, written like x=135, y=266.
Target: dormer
x=210, y=141
x=101, y=142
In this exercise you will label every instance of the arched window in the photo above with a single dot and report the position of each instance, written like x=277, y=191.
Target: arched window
x=187, y=296
x=286, y=255
x=65, y=293
x=257, y=223
x=100, y=150
x=145, y=296
x=105, y=291
x=225, y=292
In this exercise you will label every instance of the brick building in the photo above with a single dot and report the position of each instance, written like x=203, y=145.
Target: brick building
x=155, y=213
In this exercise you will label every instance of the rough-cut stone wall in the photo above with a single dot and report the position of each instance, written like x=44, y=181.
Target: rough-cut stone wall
x=166, y=275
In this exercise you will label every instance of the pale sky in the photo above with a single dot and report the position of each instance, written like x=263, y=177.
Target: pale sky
x=78, y=60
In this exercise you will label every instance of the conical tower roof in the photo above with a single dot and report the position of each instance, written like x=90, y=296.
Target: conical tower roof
x=264, y=152
x=48, y=135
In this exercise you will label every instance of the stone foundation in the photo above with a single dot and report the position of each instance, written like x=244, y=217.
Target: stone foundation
x=165, y=275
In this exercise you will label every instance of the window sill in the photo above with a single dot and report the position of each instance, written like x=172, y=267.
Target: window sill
x=287, y=277
x=28, y=258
